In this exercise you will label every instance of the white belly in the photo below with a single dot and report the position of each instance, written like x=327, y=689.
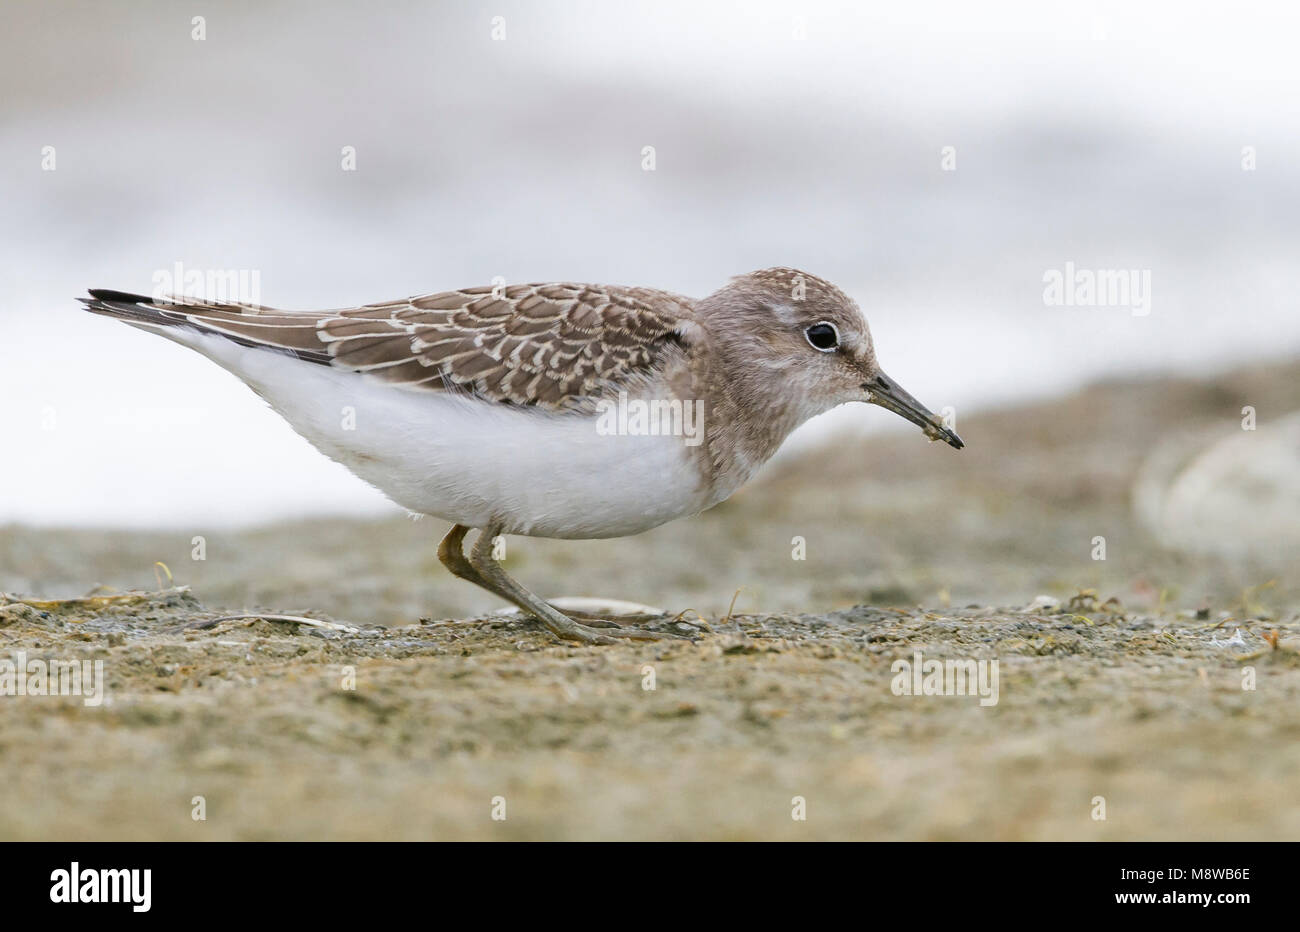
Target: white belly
x=473, y=462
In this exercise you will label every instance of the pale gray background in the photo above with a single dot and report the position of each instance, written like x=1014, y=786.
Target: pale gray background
x=1093, y=133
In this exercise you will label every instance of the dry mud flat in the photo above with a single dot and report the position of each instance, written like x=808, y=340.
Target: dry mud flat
x=387, y=727
x=289, y=730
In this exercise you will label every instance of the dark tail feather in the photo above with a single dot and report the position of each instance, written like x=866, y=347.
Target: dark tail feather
x=143, y=310
x=125, y=297
x=126, y=306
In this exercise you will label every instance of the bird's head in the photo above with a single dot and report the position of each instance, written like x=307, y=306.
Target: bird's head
x=801, y=337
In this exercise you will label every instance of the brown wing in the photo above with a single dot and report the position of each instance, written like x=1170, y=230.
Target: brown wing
x=553, y=345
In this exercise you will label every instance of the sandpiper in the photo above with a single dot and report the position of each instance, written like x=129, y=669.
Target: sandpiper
x=548, y=410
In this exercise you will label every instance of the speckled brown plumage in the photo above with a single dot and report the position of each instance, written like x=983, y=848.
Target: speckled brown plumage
x=554, y=345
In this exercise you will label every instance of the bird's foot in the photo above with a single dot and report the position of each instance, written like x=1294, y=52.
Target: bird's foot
x=609, y=620
x=598, y=630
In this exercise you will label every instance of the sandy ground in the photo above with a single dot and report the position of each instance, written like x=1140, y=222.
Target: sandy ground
x=416, y=708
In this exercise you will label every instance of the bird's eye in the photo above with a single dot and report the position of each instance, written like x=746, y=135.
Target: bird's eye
x=823, y=337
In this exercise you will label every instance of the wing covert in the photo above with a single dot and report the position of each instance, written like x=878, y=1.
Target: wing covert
x=543, y=344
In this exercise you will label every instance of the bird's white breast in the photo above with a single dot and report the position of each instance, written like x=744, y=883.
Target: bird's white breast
x=471, y=461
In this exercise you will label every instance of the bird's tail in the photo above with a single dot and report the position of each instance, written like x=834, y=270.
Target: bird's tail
x=249, y=325
x=133, y=308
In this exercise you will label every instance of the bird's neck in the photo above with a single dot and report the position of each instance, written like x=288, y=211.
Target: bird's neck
x=750, y=411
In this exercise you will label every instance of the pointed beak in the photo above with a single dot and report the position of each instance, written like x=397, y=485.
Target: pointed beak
x=885, y=392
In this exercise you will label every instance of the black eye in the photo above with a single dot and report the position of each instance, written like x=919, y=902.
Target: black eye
x=823, y=337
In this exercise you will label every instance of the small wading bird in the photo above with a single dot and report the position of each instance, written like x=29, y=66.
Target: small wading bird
x=488, y=407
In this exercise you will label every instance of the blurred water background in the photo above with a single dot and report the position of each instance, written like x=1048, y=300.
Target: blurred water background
x=808, y=134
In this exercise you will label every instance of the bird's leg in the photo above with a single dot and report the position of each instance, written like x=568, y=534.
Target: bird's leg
x=492, y=577
x=452, y=556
